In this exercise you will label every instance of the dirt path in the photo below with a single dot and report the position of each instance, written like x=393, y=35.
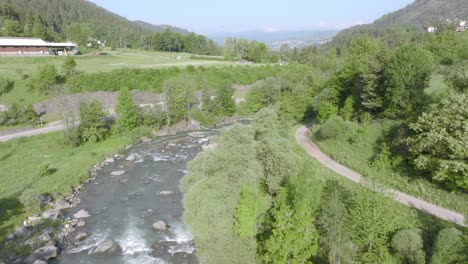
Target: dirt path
x=302, y=138
x=53, y=127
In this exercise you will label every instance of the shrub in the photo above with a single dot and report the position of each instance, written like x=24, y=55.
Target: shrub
x=71, y=137
x=326, y=111
x=5, y=85
x=18, y=115
x=43, y=79
x=332, y=128
x=365, y=117
x=93, y=128
x=140, y=132
x=150, y=117
x=30, y=199
x=43, y=171
x=347, y=111
x=127, y=112
x=408, y=245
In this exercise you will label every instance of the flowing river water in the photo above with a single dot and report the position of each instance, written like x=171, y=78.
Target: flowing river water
x=123, y=208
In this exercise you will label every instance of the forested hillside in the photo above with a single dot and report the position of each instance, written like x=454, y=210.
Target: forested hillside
x=160, y=28
x=82, y=21
x=414, y=17
x=424, y=12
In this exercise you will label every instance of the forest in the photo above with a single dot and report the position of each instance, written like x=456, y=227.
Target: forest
x=83, y=22
x=364, y=94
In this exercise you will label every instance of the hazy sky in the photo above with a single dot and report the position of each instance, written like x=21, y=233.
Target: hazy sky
x=210, y=16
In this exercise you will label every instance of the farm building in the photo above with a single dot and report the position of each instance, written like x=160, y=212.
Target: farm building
x=34, y=47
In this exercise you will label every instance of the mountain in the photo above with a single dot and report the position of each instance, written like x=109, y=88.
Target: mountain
x=76, y=20
x=160, y=28
x=276, y=39
x=416, y=15
x=425, y=12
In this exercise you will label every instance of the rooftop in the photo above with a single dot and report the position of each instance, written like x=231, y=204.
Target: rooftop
x=32, y=42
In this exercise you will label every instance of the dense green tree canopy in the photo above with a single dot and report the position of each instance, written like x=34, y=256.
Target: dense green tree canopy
x=439, y=144
x=406, y=76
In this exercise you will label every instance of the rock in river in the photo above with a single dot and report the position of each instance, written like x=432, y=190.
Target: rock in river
x=107, y=246
x=52, y=214
x=160, y=226
x=43, y=253
x=118, y=173
x=82, y=214
x=109, y=160
x=62, y=204
x=79, y=237
x=45, y=199
x=131, y=158
x=166, y=193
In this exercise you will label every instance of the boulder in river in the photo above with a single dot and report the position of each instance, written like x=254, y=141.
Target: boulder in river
x=80, y=237
x=160, y=226
x=81, y=223
x=109, y=160
x=62, y=204
x=45, y=199
x=39, y=262
x=106, y=247
x=162, y=247
x=118, y=173
x=33, y=220
x=52, y=214
x=43, y=253
x=22, y=232
x=146, y=139
x=166, y=193
x=131, y=157
x=81, y=214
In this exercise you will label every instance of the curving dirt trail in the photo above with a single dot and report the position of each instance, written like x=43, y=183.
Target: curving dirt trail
x=313, y=150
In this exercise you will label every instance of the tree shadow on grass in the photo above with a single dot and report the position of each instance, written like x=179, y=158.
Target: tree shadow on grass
x=9, y=208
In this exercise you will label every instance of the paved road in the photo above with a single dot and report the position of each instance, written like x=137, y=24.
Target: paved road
x=302, y=138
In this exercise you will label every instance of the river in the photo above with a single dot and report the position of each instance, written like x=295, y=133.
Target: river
x=123, y=208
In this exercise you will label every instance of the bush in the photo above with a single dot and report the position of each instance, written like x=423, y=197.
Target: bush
x=347, y=111
x=43, y=171
x=17, y=115
x=332, y=128
x=150, y=117
x=43, y=79
x=326, y=111
x=408, y=245
x=140, y=132
x=365, y=117
x=92, y=128
x=30, y=200
x=5, y=85
x=71, y=137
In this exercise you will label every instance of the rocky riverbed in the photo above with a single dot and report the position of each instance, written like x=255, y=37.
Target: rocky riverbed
x=129, y=211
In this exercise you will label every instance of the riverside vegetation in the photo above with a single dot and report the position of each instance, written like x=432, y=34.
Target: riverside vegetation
x=256, y=198
x=377, y=103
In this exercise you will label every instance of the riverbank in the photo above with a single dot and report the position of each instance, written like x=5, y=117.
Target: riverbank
x=69, y=171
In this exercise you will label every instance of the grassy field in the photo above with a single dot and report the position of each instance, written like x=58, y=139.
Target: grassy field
x=14, y=68
x=20, y=159
x=359, y=154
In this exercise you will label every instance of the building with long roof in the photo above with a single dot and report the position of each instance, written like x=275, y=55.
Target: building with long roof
x=35, y=47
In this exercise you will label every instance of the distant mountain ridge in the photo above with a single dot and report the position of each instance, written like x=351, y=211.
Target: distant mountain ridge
x=160, y=28
x=274, y=39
